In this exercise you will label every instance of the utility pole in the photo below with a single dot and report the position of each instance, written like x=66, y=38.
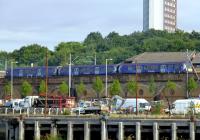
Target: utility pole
x=187, y=74
x=107, y=76
x=70, y=69
x=46, y=81
x=11, y=90
x=136, y=80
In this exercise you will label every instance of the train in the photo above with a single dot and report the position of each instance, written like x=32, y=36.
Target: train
x=84, y=70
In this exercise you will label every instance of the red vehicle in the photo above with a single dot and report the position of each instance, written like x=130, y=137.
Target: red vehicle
x=55, y=102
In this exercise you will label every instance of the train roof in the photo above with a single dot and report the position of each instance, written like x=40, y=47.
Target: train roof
x=91, y=65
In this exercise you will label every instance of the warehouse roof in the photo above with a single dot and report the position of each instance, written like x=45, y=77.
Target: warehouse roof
x=161, y=57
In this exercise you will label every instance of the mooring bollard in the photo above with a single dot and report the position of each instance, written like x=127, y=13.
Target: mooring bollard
x=6, y=111
x=49, y=111
x=34, y=111
x=57, y=109
x=42, y=112
x=13, y=111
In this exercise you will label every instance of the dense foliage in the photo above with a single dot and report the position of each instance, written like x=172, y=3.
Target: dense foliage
x=115, y=88
x=81, y=89
x=26, y=89
x=115, y=46
x=192, y=84
x=63, y=88
x=152, y=86
x=42, y=87
x=132, y=87
x=98, y=86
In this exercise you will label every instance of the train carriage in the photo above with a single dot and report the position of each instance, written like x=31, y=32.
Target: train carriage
x=32, y=72
x=88, y=70
x=152, y=68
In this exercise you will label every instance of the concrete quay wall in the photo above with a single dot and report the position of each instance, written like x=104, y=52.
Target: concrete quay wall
x=75, y=128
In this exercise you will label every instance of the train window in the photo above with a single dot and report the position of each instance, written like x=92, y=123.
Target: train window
x=163, y=68
x=82, y=70
x=20, y=73
x=110, y=69
x=39, y=72
x=170, y=67
x=145, y=68
x=97, y=69
x=176, y=67
x=131, y=68
x=152, y=68
x=138, y=69
x=76, y=71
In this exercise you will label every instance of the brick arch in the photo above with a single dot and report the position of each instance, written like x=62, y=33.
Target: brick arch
x=178, y=93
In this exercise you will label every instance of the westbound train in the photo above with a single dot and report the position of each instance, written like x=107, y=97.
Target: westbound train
x=81, y=70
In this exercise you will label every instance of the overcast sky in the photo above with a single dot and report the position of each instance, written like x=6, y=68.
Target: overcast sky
x=48, y=22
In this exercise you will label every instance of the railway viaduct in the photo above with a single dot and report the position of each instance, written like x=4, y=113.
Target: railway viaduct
x=142, y=79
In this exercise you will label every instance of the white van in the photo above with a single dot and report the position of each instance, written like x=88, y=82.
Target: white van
x=130, y=103
x=183, y=106
x=28, y=101
x=14, y=103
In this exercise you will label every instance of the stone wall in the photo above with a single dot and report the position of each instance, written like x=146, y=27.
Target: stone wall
x=143, y=81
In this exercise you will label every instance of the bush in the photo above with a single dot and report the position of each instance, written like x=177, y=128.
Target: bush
x=51, y=137
x=158, y=109
x=66, y=112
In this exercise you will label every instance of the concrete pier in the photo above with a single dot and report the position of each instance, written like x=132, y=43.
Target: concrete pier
x=7, y=130
x=70, y=131
x=86, y=131
x=138, y=131
x=192, y=131
x=95, y=128
x=155, y=131
x=121, y=131
x=21, y=130
x=53, y=129
x=36, y=131
x=103, y=131
x=173, y=132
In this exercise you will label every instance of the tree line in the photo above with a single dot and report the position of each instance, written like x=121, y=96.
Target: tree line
x=115, y=46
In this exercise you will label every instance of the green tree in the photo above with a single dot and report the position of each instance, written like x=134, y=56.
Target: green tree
x=26, y=89
x=27, y=55
x=152, y=86
x=42, y=87
x=132, y=87
x=169, y=88
x=63, y=88
x=81, y=89
x=115, y=88
x=63, y=50
x=192, y=85
x=7, y=89
x=98, y=86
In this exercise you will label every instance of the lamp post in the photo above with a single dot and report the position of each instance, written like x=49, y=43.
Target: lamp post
x=70, y=65
x=107, y=76
x=11, y=84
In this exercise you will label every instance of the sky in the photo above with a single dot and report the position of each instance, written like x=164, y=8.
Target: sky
x=49, y=22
